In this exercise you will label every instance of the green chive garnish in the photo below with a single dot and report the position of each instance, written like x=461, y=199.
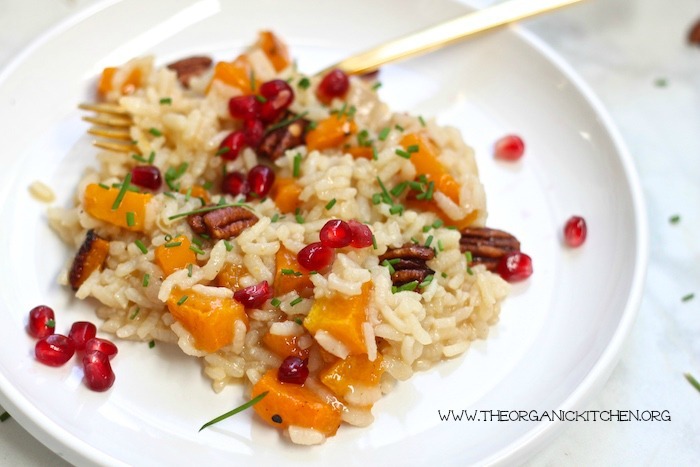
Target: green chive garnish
x=298, y=216
x=304, y=83
x=146, y=280
x=172, y=244
x=228, y=245
x=413, y=148
x=674, y=219
x=384, y=133
x=238, y=409
x=209, y=208
x=285, y=122
x=155, y=132
x=688, y=297
x=376, y=86
x=182, y=300
x=428, y=241
x=50, y=323
x=275, y=302
x=422, y=122
x=166, y=101
x=398, y=127
x=694, y=382
x=141, y=246
x=296, y=171
x=296, y=301
x=122, y=192
x=189, y=270
x=130, y=218
x=374, y=242
x=196, y=249
x=151, y=344
x=137, y=157
x=330, y=204
x=402, y=153
x=135, y=313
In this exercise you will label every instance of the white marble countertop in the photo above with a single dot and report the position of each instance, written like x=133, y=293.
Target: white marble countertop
x=635, y=56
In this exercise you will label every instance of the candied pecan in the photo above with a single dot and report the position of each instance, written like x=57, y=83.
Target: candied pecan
x=190, y=67
x=225, y=222
x=277, y=141
x=409, y=251
x=90, y=256
x=487, y=246
x=408, y=263
x=399, y=278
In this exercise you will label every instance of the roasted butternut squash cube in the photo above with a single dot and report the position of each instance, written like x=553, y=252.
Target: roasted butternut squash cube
x=175, y=254
x=355, y=370
x=129, y=214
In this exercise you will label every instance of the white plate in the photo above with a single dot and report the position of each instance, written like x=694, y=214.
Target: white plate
x=559, y=333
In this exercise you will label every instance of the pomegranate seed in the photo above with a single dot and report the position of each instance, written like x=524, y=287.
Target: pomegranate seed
x=54, y=350
x=361, y=234
x=103, y=345
x=510, y=148
x=235, y=183
x=260, y=179
x=253, y=296
x=515, y=267
x=244, y=107
x=254, y=131
x=98, y=374
x=41, y=322
x=315, y=256
x=334, y=84
x=293, y=370
x=279, y=96
x=146, y=176
x=232, y=145
x=336, y=234
x=575, y=231
x=81, y=332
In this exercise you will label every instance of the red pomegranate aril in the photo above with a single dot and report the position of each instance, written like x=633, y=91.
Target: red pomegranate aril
x=361, y=234
x=81, y=332
x=103, y=345
x=41, y=322
x=235, y=183
x=254, y=296
x=146, y=176
x=244, y=107
x=575, y=231
x=278, y=96
x=515, y=267
x=336, y=233
x=260, y=179
x=232, y=145
x=315, y=256
x=97, y=371
x=254, y=130
x=54, y=350
x=293, y=370
x=334, y=84
x=509, y=148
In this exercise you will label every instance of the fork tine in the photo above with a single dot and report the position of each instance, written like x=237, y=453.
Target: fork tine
x=111, y=133
x=116, y=146
x=104, y=107
x=109, y=120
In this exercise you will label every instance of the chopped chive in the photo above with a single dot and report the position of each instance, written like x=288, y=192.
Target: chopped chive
x=394, y=289
x=422, y=122
x=674, y=219
x=102, y=185
x=141, y=246
x=428, y=241
x=388, y=265
x=451, y=227
x=399, y=189
x=439, y=244
x=311, y=273
x=188, y=194
x=172, y=244
x=427, y=228
x=402, y=153
x=151, y=344
x=228, y=245
x=291, y=272
x=296, y=301
x=238, y=409
x=155, y=132
x=130, y=218
x=376, y=86
x=688, y=297
x=661, y=82
x=260, y=98
x=426, y=282
x=189, y=270
x=166, y=101
x=376, y=198
x=374, y=242
x=196, y=249
x=438, y=223
x=444, y=275
x=296, y=171
x=208, y=185
x=275, y=217
x=5, y=416
x=693, y=382
x=409, y=286
x=50, y=323
x=468, y=257
x=298, y=216
x=275, y=302
x=151, y=157
x=222, y=204
x=399, y=127
x=304, y=83
x=182, y=300
x=146, y=280
x=384, y=133
x=252, y=80
x=122, y=192
x=428, y=194
x=135, y=313
x=311, y=126
x=285, y=122
x=299, y=321
x=414, y=240
x=197, y=241
x=137, y=157
x=396, y=209
x=169, y=195
x=375, y=155
x=413, y=148
x=330, y=204
x=223, y=150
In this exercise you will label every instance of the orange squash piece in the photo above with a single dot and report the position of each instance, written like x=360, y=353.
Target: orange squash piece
x=197, y=191
x=285, y=193
x=361, y=152
x=210, y=320
x=230, y=276
x=290, y=275
x=330, y=132
x=292, y=404
x=131, y=83
x=344, y=375
x=426, y=162
x=90, y=257
x=170, y=256
x=98, y=202
x=342, y=317
x=275, y=50
x=236, y=74
x=284, y=346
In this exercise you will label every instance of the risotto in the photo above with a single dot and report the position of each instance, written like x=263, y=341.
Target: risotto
x=289, y=231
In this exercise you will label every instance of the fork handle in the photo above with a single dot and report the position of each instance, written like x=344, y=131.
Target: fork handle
x=446, y=33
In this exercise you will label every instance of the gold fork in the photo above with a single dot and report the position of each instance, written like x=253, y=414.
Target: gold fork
x=112, y=122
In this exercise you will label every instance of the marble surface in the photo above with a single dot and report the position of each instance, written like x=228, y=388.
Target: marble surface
x=634, y=55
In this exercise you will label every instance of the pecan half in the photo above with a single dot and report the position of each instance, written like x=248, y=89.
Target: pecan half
x=694, y=34
x=408, y=263
x=189, y=67
x=277, y=141
x=90, y=256
x=222, y=223
x=487, y=246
